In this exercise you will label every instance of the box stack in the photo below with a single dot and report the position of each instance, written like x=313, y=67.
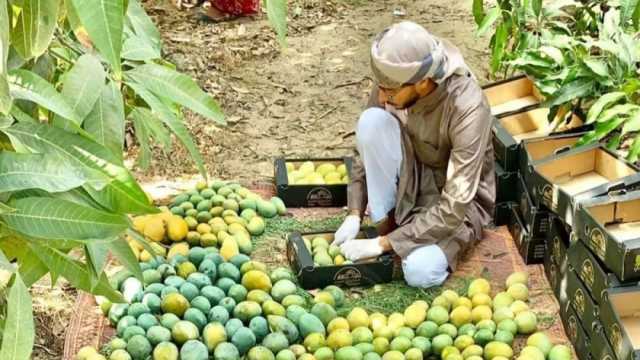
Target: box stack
x=522, y=136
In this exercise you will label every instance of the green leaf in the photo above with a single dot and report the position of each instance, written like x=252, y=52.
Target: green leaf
x=104, y=21
x=82, y=85
x=277, y=14
x=137, y=48
x=492, y=15
x=5, y=26
x=34, y=29
x=26, y=85
x=634, y=150
x=4, y=208
x=172, y=122
x=97, y=252
x=37, y=171
x=18, y=333
x=598, y=67
x=499, y=45
x=30, y=267
x=602, y=103
x=49, y=218
x=632, y=124
x=180, y=88
x=627, y=8
x=602, y=129
x=536, y=5
x=108, y=182
x=622, y=110
x=75, y=272
x=138, y=117
x=478, y=11
x=553, y=53
x=635, y=17
x=5, y=264
x=5, y=96
x=142, y=24
x=573, y=90
x=106, y=121
x=122, y=251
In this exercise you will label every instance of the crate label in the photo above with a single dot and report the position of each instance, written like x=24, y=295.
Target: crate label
x=554, y=273
x=579, y=301
x=573, y=329
x=598, y=244
x=616, y=338
x=636, y=264
x=319, y=196
x=555, y=249
x=587, y=274
x=348, y=275
x=548, y=197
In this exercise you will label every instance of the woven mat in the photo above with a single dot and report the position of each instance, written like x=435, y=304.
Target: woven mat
x=495, y=257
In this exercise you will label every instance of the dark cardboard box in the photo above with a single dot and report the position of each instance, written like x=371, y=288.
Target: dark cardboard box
x=600, y=347
x=555, y=259
x=311, y=195
x=511, y=95
x=576, y=333
x=502, y=213
x=620, y=316
x=363, y=273
x=531, y=249
x=610, y=227
x=582, y=302
x=507, y=185
x=510, y=130
x=535, y=218
x=563, y=181
x=536, y=150
x=589, y=269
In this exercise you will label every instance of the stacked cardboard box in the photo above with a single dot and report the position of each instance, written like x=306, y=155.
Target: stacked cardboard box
x=520, y=126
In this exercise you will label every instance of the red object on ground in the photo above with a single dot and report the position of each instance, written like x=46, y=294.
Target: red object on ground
x=237, y=7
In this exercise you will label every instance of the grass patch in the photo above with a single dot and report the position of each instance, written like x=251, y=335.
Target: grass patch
x=283, y=225
x=387, y=298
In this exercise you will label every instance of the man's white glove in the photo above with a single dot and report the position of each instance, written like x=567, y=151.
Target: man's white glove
x=348, y=230
x=358, y=249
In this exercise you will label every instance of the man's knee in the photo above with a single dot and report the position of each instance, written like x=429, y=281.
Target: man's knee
x=372, y=124
x=425, y=267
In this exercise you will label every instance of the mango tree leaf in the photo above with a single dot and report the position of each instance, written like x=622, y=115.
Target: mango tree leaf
x=598, y=67
x=499, y=45
x=627, y=8
x=602, y=129
x=553, y=53
x=5, y=96
x=632, y=124
x=622, y=110
x=49, y=218
x=108, y=182
x=4, y=208
x=168, y=83
x=142, y=134
x=5, y=26
x=137, y=48
x=492, y=15
x=37, y=171
x=104, y=21
x=277, y=14
x=18, y=333
x=536, y=6
x=570, y=91
x=634, y=150
x=635, y=17
x=173, y=123
x=83, y=84
x=106, y=121
x=122, y=251
x=75, y=272
x=478, y=11
x=5, y=264
x=96, y=252
x=603, y=102
x=34, y=28
x=26, y=85
x=142, y=24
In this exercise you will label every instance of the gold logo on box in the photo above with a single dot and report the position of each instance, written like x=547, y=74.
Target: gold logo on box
x=587, y=273
x=319, y=196
x=579, y=301
x=350, y=276
x=636, y=264
x=573, y=329
x=616, y=338
x=547, y=194
x=555, y=249
x=598, y=242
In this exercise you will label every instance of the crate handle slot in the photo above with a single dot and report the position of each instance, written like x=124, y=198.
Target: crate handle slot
x=562, y=149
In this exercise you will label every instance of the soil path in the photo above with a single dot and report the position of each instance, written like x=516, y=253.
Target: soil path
x=302, y=101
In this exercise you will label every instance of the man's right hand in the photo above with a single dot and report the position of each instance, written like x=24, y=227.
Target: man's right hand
x=348, y=230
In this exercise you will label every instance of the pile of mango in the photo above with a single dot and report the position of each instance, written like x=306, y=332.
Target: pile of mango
x=324, y=253
x=308, y=174
x=222, y=215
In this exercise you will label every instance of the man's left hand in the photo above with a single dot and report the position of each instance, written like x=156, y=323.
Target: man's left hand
x=358, y=249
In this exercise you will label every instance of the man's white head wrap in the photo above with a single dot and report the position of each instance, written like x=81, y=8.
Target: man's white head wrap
x=406, y=53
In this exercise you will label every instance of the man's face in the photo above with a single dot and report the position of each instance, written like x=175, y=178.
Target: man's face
x=400, y=98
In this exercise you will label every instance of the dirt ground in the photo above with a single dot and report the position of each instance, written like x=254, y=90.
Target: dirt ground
x=299, y=101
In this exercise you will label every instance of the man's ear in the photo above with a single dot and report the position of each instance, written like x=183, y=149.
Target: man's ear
x=424, y=87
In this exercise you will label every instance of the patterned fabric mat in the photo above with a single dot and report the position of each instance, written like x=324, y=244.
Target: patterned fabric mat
x=494, y=257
